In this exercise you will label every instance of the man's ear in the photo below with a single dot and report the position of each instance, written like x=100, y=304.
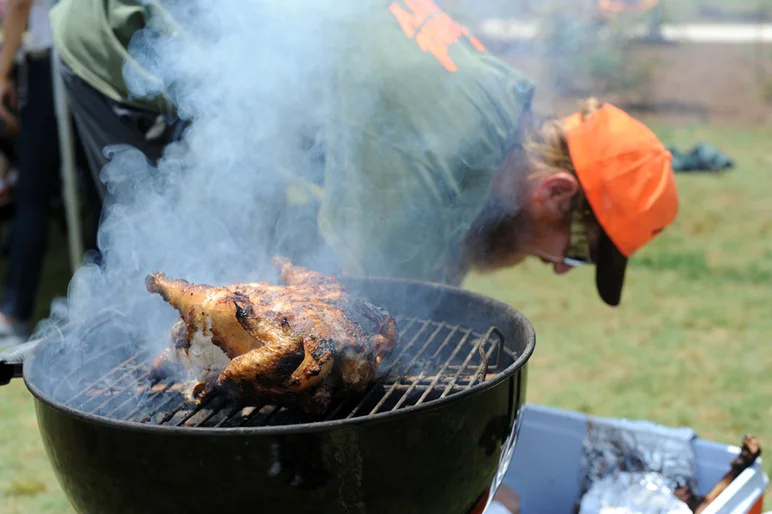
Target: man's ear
x=553, y=194
x=556, y=187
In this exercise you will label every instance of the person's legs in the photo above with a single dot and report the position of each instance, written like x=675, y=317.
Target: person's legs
x=38, y=180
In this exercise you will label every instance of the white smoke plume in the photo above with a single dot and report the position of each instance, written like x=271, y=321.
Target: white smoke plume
x=246, y=75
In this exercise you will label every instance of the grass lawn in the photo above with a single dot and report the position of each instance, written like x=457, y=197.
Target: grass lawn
x=689, y=346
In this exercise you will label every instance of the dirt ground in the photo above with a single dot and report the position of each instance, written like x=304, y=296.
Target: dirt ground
x=714, y=83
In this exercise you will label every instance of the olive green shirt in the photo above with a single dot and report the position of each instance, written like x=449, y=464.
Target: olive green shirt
x=412, y=141
x=92, y=38
x=418, y=118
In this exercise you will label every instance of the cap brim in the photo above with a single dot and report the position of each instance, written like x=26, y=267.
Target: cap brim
x=610, y=271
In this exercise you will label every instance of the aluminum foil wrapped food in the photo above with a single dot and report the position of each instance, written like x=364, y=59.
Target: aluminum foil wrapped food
x=632, y=493
x=619, y=446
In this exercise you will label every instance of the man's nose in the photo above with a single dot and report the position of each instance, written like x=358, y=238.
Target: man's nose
x=561, y=268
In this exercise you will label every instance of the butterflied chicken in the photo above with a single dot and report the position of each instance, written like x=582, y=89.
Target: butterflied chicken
x=293, y=344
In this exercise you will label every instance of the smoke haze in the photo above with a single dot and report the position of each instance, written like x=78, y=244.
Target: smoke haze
x=247, y=76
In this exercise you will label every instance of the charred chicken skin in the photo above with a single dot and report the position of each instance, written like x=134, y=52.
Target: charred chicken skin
x=290, y=344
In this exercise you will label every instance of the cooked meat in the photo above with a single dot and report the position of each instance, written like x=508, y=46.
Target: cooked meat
x=291, y=343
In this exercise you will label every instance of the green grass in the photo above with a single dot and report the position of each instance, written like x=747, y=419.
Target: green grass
x=27, y=483
x=689, y=346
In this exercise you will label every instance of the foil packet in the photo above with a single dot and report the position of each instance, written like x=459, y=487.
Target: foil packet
x=624, y=446
x=632, y=493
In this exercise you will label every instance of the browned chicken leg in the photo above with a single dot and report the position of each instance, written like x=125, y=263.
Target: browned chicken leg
x=209, y=311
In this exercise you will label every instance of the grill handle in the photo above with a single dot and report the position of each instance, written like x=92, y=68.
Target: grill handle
x=12, y=360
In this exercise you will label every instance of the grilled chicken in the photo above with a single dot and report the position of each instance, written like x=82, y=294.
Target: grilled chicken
x=291, y=344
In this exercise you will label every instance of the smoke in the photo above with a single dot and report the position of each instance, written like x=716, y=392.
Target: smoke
x=255, y=81
x=247, y=76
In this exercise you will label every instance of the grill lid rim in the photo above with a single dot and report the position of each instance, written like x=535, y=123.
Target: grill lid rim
x=520, y=364
x=300, y=428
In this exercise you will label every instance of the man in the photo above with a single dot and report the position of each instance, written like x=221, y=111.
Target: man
x=38, y=159
x=432, y=161
x=444, y=169
x=91, y=38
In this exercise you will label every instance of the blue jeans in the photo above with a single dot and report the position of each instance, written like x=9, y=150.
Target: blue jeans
x=38, y=166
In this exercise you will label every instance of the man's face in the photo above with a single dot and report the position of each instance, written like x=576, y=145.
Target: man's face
x=551, y=210
x=542, y=228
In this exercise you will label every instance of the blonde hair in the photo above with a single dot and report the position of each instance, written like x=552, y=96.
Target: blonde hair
x=546, y=147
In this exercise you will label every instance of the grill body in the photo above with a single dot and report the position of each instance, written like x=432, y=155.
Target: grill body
x=437, y=456
x=438, y=460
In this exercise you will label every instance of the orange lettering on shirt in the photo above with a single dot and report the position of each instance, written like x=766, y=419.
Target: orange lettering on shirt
x=409, y=22
x=404, y=18
x=432, y=29
x=437, y=35
x=475, y=42
x=422, y=9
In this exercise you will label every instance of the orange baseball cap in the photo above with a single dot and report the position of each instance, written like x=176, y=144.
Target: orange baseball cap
x=627, y=178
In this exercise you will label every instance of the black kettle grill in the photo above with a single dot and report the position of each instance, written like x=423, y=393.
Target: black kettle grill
x=434, y=434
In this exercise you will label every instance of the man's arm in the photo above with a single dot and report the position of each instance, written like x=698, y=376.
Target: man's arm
x=15, y=21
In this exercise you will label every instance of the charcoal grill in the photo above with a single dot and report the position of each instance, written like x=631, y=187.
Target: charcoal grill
x=432, y=434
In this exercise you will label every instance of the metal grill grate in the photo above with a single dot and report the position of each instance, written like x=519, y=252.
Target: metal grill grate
x=432, y=361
